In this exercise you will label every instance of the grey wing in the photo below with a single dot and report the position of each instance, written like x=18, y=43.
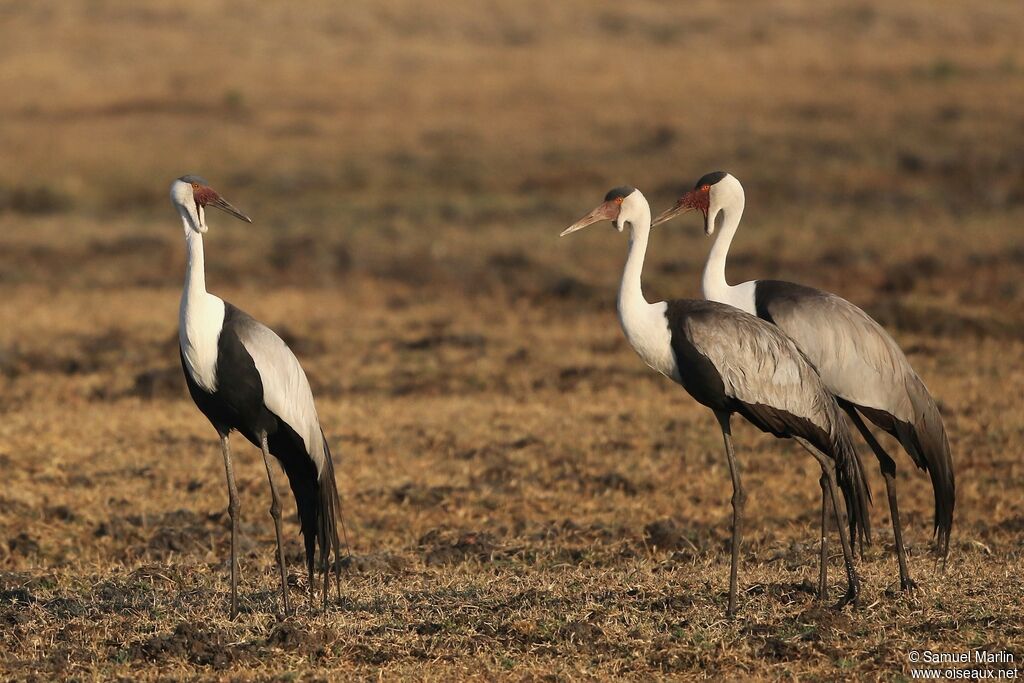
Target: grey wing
x=775, y=387
x=857, y=359
x=286, y=391
x=861, y=363
x=759, y=366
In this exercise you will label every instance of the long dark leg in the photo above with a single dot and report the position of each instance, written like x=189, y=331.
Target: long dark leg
x=823, y=559
x=337, y=554
x=888, y=467
x=312, y=578
x=324, y=569
x=233, y=511
x=275, y=512
x=828, y=469
x=823, y=562
x=738, y=499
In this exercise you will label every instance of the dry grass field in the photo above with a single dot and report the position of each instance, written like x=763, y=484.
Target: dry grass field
x=525, y=499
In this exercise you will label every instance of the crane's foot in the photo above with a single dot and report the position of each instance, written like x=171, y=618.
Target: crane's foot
x=852, y=597
x=730, y=607
x=908, y=585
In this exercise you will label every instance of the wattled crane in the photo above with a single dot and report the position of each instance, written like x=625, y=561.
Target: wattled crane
x=244, y=378
x=857, y=359
x=733, y=362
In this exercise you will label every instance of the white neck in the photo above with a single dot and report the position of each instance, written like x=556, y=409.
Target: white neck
x=713, y=283
x=644, y=324
x=200, y=317
x=195, y=266
x=631, y=293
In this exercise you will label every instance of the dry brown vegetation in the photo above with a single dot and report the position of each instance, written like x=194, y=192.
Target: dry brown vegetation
x=524, y=498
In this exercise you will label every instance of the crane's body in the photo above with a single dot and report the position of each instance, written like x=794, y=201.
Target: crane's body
x=244, y=378
x=858, y=361
x=733, y=362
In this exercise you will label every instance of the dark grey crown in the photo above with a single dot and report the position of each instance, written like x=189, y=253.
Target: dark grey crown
x=618, y=192
x=710, y=178
x=193, y=179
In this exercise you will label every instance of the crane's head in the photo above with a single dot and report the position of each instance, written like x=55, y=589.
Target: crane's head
x=712, y=193
x=621, y=205
x=191, y=194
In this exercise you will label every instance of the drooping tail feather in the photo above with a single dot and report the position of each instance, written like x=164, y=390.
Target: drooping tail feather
x=927, y=444
x=329, y=517
x=316, y=497
x=852, y=482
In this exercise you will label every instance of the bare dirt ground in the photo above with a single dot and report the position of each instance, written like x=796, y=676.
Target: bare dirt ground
x=525, y=499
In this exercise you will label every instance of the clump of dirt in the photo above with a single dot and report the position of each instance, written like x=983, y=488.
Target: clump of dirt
x=439, y=547
x=683, y=541
x=118, y=596
x=34, y=199
x=436, y=340
x=61, y=513
x=900, y=278
x=16, y=596
x=613, y=481
x=307, y=639
x=195, y=644
x=163, y=382
x=15, y=604
x=406, y=382
x=672, y=603
x=23, y=545
x=575, y=377
x=123, y=530
x=668, y=657
x=179, y=531
x=375, y=563
x=581, y=633
x=368, y=654
x=421, y=496
x=303, y=345
x=65, y=608
x=823, y=619
x=14, y=507
x=935, y=322
x=776, y=649
x=664, y=534
x=568, y=288
x=793, y=555
x=13, y=616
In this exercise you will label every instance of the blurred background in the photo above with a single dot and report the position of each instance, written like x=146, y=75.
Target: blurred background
x=400, y=141
x=408, y=167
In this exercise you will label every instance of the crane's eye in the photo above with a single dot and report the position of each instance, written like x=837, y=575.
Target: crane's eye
x=195, y=186
x=618, y=200
x=706, y=188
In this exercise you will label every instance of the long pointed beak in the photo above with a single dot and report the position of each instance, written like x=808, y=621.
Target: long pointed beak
x=219, y=203
x=669, y=214
x=606, y=212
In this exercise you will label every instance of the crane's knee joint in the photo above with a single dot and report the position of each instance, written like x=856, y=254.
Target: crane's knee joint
x=828, y=473
x=275, y=510
x=887, y=466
